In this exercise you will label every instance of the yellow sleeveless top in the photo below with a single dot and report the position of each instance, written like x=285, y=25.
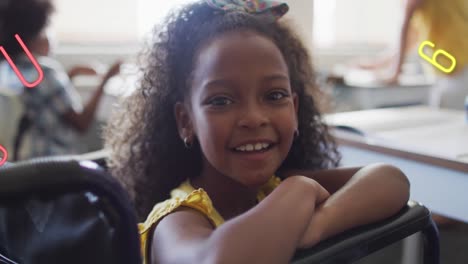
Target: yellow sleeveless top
x=445, y=23
x=186, y=195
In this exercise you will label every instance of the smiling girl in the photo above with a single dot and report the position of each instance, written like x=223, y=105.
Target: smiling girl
x=223, y=147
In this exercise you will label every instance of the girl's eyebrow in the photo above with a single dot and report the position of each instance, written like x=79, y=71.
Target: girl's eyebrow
x=227, y=83
x=217, y=83
x=276, y=76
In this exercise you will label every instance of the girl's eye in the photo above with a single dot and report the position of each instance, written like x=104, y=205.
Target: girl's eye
x=277, y=95
x=220, y=101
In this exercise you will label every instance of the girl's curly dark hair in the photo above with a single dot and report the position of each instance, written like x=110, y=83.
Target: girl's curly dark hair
x=147, y=154
x=27, y=18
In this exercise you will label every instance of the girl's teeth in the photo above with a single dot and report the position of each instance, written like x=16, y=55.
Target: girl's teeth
x=258, y=146
x=251, y=147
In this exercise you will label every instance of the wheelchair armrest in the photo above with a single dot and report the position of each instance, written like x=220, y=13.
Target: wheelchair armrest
x=5, y=260
x=7, y=164
x=359, y=242
x=99, y=157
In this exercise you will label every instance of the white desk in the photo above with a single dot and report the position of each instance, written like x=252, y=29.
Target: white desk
x=356, y=89
x=429, y=145
x=353, y=98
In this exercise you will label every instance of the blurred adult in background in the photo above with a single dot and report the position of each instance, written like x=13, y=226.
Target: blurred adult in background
x=445, y=24
x=53, y=112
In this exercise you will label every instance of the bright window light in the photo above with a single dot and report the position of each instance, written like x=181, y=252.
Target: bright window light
x=151, y=12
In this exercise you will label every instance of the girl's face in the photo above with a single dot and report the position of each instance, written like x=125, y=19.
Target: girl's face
x=242, y=109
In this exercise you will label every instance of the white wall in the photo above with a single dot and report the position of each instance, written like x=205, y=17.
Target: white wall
x=301, y=15
x=359, y=21
x=122, y=18
x=343, y=29
x=118, y=24
x=356, y=27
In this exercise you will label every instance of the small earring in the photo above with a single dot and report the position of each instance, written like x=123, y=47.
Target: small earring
x=296, y=133
x=187, y=144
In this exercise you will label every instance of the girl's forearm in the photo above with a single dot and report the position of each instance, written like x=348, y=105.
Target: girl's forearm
x=374, y=193
x=401, y=52
x=406, y=41
x=90, y=108
x=268, y=233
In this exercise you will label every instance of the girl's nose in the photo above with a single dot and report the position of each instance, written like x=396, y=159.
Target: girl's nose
x=253, y=115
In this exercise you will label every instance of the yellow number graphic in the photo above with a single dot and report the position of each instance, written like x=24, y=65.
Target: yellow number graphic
x=433, y=60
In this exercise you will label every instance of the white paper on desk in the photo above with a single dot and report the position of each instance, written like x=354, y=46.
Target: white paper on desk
x=437, y=132
x=372, y=79
x=362, y=78
x=389, y=119
x=447, y=139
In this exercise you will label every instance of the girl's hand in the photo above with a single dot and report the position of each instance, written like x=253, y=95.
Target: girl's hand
x=367, y=64
x=388, y=78
x=312, y=235
x=320, y=193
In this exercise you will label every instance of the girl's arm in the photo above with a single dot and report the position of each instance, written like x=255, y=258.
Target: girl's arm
x=82, y=121
x=81, y=70
x=390, y=58
x=405, y=40
x=268, y=233
x=332, y=179
x=359, y=196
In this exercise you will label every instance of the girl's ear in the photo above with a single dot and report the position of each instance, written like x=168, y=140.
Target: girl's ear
x=184, y=124
x=296, y=102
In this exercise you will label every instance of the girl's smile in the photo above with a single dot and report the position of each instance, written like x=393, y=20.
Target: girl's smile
x=255, y=150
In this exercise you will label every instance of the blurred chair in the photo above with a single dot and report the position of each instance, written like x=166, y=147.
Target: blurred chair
x=65, y=211
x=99, y=157
x=11, y=110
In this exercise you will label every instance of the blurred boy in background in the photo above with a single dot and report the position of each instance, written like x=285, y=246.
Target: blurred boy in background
x=53, y=111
